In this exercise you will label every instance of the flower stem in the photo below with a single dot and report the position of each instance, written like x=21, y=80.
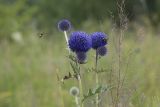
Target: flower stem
x=77, y=101
x=81, y=89
x=97, y=80
x=66, y=37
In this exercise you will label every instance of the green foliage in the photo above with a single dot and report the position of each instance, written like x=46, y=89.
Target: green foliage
x=15, y=16
x=74, y=64
x=19, y=15
x=100, y=70
x=97, y=90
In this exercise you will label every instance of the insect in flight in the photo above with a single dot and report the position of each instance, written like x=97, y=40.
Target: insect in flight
x=42, y=34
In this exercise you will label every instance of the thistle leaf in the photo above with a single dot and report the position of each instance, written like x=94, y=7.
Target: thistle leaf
x=96, y=90
x=98, y=71
x=74, y=64
x=73, y=67
x=72, y=58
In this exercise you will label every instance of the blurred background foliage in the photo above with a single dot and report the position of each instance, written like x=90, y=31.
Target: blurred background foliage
x=19, y=15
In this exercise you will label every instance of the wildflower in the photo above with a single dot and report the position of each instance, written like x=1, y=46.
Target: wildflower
x=80, y=42
x=102, y=51
x=81, y=57
x=99, y=39
x=74, y=91
x=64, y=25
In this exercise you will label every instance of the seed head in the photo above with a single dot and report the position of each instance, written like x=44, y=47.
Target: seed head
x=74, y=91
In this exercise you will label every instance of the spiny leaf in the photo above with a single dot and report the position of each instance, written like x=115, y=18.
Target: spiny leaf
x=89, y=69
x=96, y=90
x=73, y=67
x=72, y=58
x=102, y=70
x=74, y=64
x=98, y=71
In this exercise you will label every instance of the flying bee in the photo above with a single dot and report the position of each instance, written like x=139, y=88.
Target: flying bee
x=42, y=34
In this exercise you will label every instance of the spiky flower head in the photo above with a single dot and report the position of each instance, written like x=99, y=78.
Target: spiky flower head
x=80, y=42
x=81, y=57
x=102, y=51
x=74, y=91
x=64, y=25
x=99, y=39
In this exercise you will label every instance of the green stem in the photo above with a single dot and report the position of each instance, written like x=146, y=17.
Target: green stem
x=77, y=101
x=60, y=89
x=81, y=89
x=66, y=37
x=97, y=80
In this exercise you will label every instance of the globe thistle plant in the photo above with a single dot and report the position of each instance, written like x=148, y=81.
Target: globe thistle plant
x=80, y=43
x=99, y=40
x=102, y=51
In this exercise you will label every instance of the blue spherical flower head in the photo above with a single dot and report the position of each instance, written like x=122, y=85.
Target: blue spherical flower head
x=81, y=57
x=102, y=51
x=99, y=39
x=80, y=42
x=64, y=25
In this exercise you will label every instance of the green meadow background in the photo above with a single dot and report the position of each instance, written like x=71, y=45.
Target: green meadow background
x=29, y=64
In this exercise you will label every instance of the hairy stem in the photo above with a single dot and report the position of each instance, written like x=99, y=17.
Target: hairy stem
x=77, y=101
x=66, y=37
x=81, y=89
x=97, y=80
